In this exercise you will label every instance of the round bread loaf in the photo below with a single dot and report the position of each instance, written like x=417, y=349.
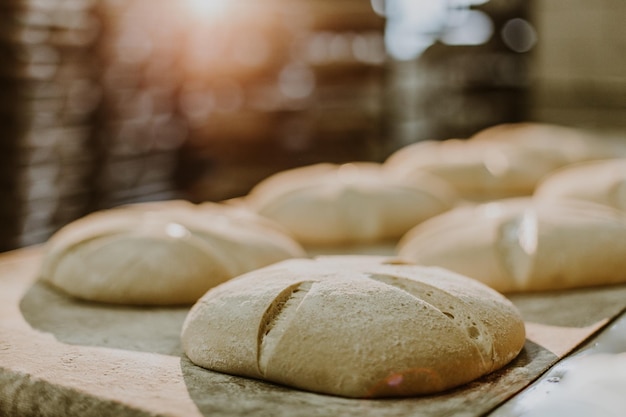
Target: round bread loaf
x=160, y=253
x=525, y=245
x=354, y=326
x=329, y=204
x=502, y=161
x=477, y=171
x=603, y=182
x=571, y=143
x=567, y=144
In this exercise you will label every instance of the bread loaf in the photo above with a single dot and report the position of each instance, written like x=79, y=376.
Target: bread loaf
x=568, y=144
x=329, y=204
x=160, y=253
x=354, y=326
x=502, y=161
x=477, y=171
x=602, y=182
x=525, y=245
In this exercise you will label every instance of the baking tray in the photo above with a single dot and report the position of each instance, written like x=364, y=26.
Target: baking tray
x=64, y=357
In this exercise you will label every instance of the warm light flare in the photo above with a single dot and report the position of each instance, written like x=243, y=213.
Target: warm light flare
x=208, y=8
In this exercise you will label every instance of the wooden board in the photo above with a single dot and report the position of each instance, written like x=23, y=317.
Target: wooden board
x=63, y=357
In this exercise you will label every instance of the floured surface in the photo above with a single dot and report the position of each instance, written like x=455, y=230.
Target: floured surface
x=64, y=357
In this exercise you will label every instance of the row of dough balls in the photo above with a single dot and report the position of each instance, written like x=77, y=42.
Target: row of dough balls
x=428, y=195
x=503, y=161
x=375, y=327
x=172, y=252
x=328, y=205
x=570, y=234
x=351, y=326
x=160, y=253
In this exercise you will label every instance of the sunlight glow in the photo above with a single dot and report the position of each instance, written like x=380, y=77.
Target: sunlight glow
x=208, y=8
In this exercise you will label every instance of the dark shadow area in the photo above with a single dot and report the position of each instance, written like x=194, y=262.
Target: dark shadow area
x=226, y=395
x=76, y=322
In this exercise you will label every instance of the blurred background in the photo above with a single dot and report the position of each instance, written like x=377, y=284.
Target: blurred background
x=107, y=102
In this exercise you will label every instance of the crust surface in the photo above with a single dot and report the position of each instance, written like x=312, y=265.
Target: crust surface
x=354, y=326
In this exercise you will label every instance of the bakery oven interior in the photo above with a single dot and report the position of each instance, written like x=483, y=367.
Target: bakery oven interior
x=108, y=102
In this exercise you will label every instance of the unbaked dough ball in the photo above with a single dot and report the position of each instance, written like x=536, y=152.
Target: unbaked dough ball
x=569, y=144
x=354, y=326
x=603, y=182
x=502, y=161
x=160, y=253
x=329, y=204
x=477, y=171
x=517, y=245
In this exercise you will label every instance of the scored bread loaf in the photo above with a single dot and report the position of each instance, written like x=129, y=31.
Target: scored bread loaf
x=354, y=326
x=330, y=204
x=502, y=161
x=517, y=245
x=568, y=144
x=477, y=171
x=602, y=181
x=160, y=253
